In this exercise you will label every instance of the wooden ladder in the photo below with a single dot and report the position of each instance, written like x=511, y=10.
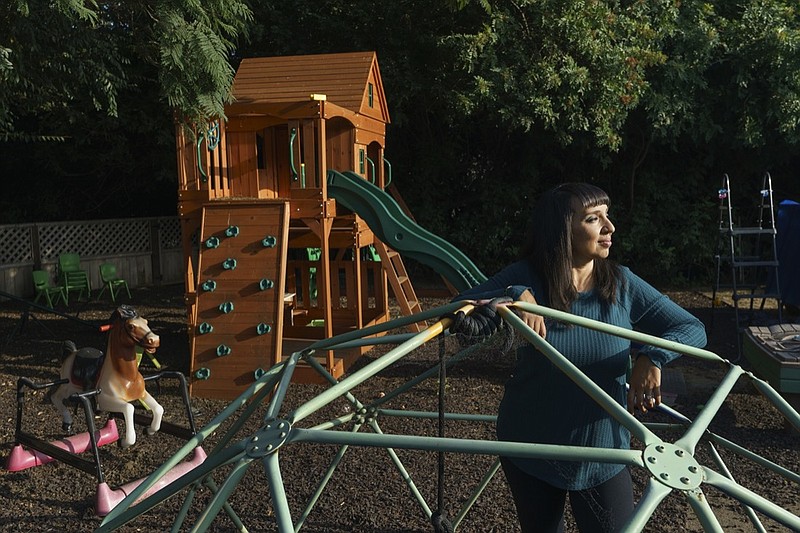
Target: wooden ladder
x=400, y=282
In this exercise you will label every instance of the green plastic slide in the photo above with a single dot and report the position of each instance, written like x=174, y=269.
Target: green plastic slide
x=392, y=226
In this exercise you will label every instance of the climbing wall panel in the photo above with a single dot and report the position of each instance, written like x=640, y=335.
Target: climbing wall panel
x=238, y=329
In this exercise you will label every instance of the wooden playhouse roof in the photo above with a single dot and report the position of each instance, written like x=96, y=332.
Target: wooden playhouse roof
x=344, y=79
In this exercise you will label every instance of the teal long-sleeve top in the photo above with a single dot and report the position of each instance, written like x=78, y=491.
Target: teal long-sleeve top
x=542, y=405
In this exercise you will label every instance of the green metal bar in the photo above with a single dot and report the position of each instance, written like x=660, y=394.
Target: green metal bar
x=400, y=322
x=699, y=502
x=398, y=463
x=368, y=371
x=665, y=426
x=704, y=418
x=333, y=381
x=123, y=513
x=237, y=522
x=746, y=453
x=735, y=448
x=717, y=458
x=177, y=524
x=230, y=484
x=635, y=336
x=482, y=447
x=748, y=497
x=727, y=444
x=339, y=421
x=433, y=415
x=283, y=386
x=778, y=401
x=211, y=486
x=407, y=479
x=674, y=414
x=251, y=407
x=425, y=375
x=654, y=494
x=371, y=341
x=280, y=504
x=600, y=396
x=124, y=507
x=337, y=459
x=473, y=497
x=766, y=463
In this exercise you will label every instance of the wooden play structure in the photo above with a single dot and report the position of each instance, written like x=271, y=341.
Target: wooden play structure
x=272, y=262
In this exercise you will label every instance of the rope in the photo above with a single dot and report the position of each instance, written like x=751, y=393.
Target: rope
x=438, y=518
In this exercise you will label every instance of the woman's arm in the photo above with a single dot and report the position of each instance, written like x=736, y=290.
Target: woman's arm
x=514, y=281
x=655, y=314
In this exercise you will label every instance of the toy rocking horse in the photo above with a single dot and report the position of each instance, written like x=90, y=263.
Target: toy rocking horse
x=115, y=373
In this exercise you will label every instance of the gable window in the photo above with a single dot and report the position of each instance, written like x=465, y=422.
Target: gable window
x=369, y=94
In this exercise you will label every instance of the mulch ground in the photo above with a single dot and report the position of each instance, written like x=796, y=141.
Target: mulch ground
x=367, y=492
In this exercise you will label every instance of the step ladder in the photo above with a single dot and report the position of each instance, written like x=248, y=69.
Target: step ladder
x=749, y=253
x=400, y=283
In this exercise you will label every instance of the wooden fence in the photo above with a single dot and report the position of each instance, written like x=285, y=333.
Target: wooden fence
x=146, y=251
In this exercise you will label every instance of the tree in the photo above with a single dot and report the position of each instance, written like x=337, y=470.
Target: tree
x=69, y=59
x=653, y=100
x=566, y=67
x=89, y=94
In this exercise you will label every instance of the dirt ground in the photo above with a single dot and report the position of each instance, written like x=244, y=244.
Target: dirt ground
x=367, y=492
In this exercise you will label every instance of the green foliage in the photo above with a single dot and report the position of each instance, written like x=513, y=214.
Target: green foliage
x=88, y=96
x=55, y=61
x=491, y=102
x=568, y=67
x=669, y=234
x=195, y=43
x=63, y=62
x=732, y=75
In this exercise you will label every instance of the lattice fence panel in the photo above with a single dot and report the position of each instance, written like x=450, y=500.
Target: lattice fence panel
x=94, y=238
x=169, y=233
x=17, y=246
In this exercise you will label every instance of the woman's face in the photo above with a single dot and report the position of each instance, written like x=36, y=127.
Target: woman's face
x=591, y=234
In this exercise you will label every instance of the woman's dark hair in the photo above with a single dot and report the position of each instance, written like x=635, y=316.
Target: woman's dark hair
x=549, y=244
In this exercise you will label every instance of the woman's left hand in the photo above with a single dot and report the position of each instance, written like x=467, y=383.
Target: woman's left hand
x=645, y=385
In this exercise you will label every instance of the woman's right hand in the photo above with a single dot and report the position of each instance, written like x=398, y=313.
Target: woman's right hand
x=535, y=322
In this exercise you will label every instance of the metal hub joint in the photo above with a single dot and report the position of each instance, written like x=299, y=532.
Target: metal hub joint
x=269, y=438
x=673, y=466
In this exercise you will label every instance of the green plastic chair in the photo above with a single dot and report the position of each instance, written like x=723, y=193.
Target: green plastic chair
x=112, y=281
x=72, y=277
x=44, y=288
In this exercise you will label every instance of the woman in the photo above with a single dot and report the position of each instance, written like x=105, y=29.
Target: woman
x=565, y=266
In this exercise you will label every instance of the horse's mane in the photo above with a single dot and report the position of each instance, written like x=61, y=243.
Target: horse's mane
x=122, y=313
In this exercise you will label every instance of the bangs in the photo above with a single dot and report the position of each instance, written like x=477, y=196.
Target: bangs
x=588, y=195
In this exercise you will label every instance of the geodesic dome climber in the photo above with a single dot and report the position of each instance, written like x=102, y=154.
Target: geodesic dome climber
x=669, y=465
